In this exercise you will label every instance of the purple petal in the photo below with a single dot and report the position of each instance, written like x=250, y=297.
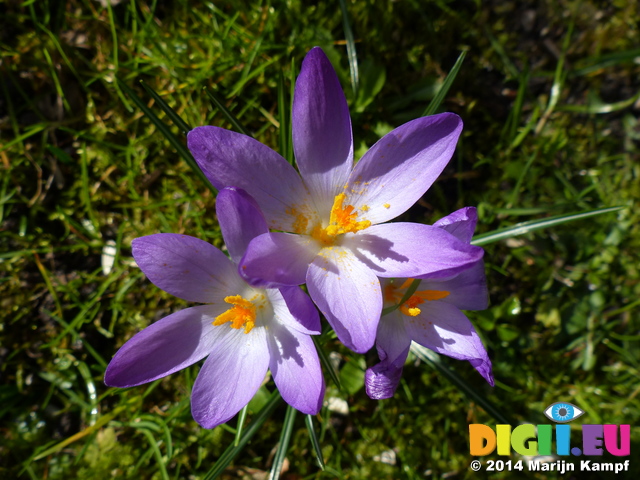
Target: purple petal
x=321, y=129
x=381, y=380
x=392, y=339
x=296, y=368
x=446, y=330
x=231, y=375
x=164, y=347
x=295, y=309
x=348, y=294
x=401, y=166
x=186, y=267
x=467, y=290
x=393, y=343
x=411, y=249
x=276, y=259
x=240, y=220
x=460, y=223
x=230, y=159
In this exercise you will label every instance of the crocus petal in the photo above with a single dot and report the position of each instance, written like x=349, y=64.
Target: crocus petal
x=401, y=166
x=240, y=220
x=275, y=259
x=411, y=249
x=231, y=375
x=296, y=368
x=381, y=380
x=164, y=347
x=186, y=267
x=348, y=294
x=230, y=159
x=295, y=310
x=321, y=129
x=467, y=290
x=393, y=343
x=392, y=340
x=446, y=330
x=460, y=223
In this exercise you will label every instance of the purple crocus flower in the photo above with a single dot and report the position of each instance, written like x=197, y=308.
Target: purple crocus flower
x=432, y=316
x=329, y=218
x=243, y=330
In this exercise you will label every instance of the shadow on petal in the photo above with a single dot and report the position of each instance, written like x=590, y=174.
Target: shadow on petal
x=283, y=342
x=378, y=247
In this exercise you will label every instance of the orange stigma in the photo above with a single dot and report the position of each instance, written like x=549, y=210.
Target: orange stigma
x=242, y=314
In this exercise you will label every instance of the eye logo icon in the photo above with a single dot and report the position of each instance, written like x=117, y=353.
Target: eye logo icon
x=562, y=412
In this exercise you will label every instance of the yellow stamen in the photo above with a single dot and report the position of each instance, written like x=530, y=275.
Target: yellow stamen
x=410, y=307
x=342, y=220
x=242, y=314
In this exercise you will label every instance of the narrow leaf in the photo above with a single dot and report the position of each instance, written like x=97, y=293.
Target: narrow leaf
x=432, y=359
x=233, y=450
x=314, y=440
x=227, y=114
x=283, y=118
x=155, y=449
x=326, y=362
x=171, y=113
x=597, y=106
x=164, y=129
x=444, y=89
x=241, y=419
x=87, y=431
x=533, y=225
x=351, y=48
x=283, y=445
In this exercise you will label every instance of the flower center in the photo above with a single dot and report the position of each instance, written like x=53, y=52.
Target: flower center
x=242, y=314
x=394, y=294
x=342, y=220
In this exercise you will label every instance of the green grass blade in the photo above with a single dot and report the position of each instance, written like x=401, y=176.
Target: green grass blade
x=516, y=112
x=351, y=48
x=326, y=362
x=446, y=85
x=164, y=129
x=241, y=419
x=171, y=113
x=432, y=358
x=153, y=444
x=308, y=420
x=116, y=52
x=284, y=131
x=516, y=190
x=283, y=445
x=232, y=452
x=558, y=82
x=594, y=64
x=227, y=114
x=81, y=434
x=502, y=53
x=595, y=105
x=533, y=225
x=35, y=129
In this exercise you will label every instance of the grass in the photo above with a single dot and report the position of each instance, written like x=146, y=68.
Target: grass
x=548, y=94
